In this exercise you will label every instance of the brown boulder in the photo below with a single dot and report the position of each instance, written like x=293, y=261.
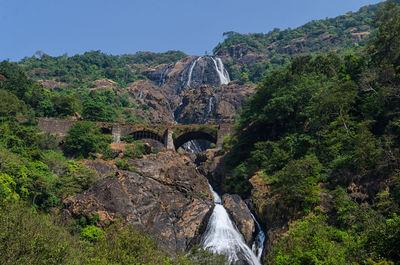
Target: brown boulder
x=240, y=215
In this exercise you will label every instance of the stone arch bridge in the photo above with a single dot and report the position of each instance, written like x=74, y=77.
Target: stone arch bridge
x=171, y=136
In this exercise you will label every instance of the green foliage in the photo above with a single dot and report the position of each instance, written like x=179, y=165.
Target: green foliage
x=27, y=237
x=342, y=34
x=33, y=180
x=312, y=241
x=297, y=182
x=14, y=80
x=123, y=165
x=20, y=139
x=82, y=69
x=124, y=245
x=201, y=256
x=385, y=47
x=92, y=233
x=135, y=150
x=76, y=178
x=64, y=105
x=382, y=239
x=323, y=134
x=7, y=188
x=10, y=105
x=84, y=138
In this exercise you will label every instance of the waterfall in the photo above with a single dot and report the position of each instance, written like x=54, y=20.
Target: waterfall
x=194, y=62
x=210, y=107
x=211, y=103
x=140, y=94
x=163, y=76
x=222, y=236
x=258, y=244
x=192, y=147
x=222, y=73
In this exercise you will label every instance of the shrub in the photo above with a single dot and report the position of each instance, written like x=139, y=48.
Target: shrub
x=123, y=165
x=92, y=233
x=135, y=150
x=84, y=138
x=312, y=241
x=75, y=179
x=30, y=238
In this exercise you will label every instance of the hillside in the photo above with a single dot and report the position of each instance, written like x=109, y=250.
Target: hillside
x=154, y=87
x=256, y=52
x=309, y=174
x=316, y=151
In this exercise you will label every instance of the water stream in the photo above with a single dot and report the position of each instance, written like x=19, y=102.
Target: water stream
x=222, y=73
x=191, y=71
x=222, y=237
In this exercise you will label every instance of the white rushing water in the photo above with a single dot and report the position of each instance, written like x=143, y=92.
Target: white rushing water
x=191, y=71
x=222, y=236
x=192, y=147
x=222, y=73
x=258, y=244
x=163, y=76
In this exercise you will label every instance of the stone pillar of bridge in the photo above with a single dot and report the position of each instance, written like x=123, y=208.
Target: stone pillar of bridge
x=223, y=131
x=169, y=140
x=116, y=132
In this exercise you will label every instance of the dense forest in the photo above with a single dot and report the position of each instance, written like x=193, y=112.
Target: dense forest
x=322, y=132
x=323, y=136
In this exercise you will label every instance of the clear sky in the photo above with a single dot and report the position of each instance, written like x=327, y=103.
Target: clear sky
x=127, y=26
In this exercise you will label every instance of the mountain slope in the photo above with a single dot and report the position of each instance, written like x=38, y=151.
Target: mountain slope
x=261, y=52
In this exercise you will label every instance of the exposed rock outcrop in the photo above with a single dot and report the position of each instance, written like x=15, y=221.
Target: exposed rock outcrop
x=213, y=105
x=241, y=54
x=154, y=102
x=165, y=196
x=241, y=215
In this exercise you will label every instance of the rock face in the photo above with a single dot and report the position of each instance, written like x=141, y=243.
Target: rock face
x=271, y=211
x=154, y=102
x=241, y=215
x=212, y=105
x=204, y=70
x=165, y=197
x=241, y=54
x=194, y=89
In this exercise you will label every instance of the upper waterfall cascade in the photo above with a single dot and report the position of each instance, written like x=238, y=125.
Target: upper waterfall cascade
x=191, y=71
x=206, y=63
x=223, y=74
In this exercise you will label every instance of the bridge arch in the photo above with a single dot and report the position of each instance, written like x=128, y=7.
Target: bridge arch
x=194, y=135
x=144, y=134
x=106, y=130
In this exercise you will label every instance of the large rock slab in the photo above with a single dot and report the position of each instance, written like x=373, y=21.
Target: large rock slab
x=240, y=215
x=165, y=196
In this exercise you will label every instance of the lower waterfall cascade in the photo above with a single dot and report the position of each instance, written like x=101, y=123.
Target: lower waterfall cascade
x=222, y=237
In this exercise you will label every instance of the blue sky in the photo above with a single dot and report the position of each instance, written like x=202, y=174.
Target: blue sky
x=127, y=26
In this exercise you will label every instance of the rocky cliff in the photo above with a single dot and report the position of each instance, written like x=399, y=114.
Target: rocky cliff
x=164, y=196
x=192, y=90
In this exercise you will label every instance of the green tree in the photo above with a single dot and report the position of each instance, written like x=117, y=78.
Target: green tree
x=84, y=138
x=385, y=47
x=28, y=237
x=10, y=105
x=312, y=241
